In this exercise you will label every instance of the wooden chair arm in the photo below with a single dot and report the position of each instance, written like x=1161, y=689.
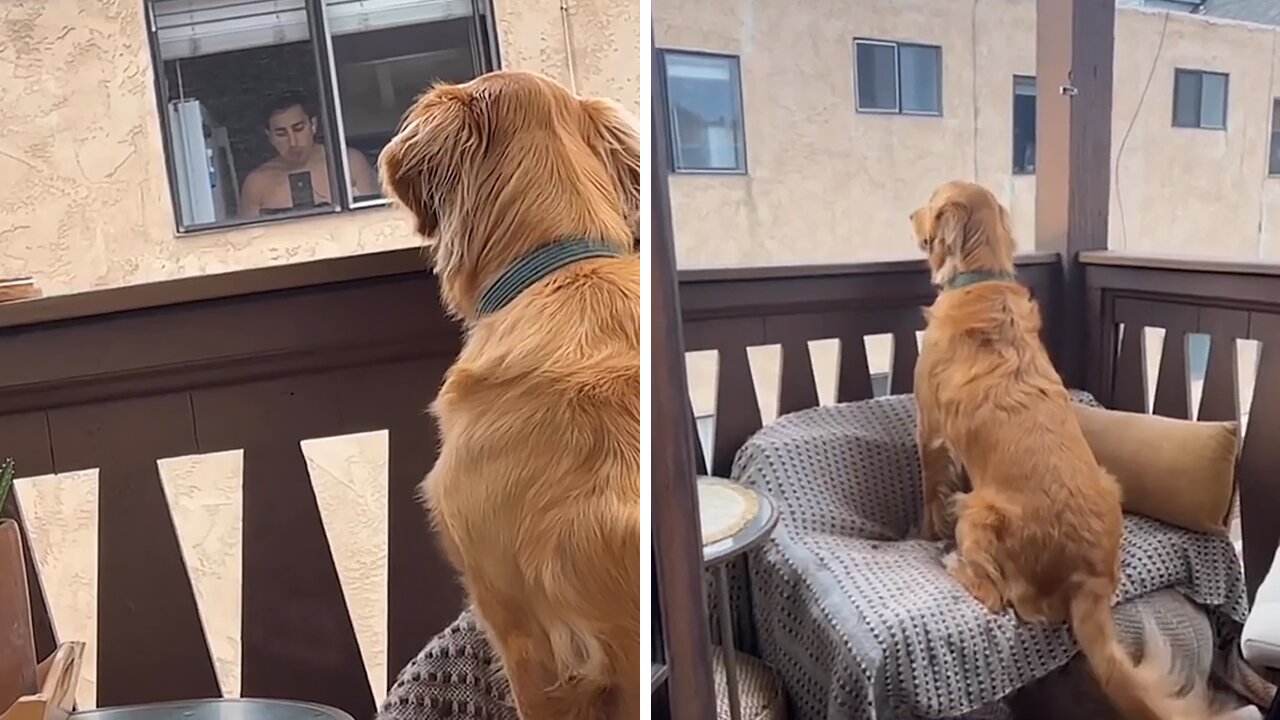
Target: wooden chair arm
x=57, y=677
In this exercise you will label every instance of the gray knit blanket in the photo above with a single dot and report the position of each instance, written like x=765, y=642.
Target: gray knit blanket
x=863, y=623
x=457, y=675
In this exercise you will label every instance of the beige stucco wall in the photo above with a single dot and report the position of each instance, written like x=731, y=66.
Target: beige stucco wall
x=84, y=201
x=827, y=184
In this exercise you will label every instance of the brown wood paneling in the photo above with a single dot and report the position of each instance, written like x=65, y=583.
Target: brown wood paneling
x=151, y=645
x=269, y=357
x=1227, y=300
x=1075, y=49
x=222, y=340
x=1260, y=456
x=737, y=409
x=732, y=309
x=854, y=380
x=796, y=387
x=1220, y=398
x=25, y=438
x=1129, y=382
x=17, y=641
x=423, y=591
x=905, y=354
x=199, y=288
x=1172, y=376
x=686, y=688
x=297, y=638
x=699, y=458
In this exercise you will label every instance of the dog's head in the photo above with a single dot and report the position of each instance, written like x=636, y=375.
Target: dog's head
x=963, y=228
x=509, y=160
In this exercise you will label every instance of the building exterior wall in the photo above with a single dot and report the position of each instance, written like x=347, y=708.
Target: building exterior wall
x=828, y=184
x=84, y=197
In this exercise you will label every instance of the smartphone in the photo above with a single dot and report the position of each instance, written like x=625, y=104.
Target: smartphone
x=304, y=195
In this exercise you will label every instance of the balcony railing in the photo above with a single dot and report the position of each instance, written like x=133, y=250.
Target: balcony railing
x=294, y=569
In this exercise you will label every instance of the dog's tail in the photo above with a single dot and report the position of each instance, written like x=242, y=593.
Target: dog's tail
x=1147, y=691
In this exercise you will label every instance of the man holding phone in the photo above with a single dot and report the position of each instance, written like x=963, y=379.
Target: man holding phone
x=297, y=178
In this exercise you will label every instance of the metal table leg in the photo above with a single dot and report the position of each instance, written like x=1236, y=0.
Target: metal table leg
x=727, y=642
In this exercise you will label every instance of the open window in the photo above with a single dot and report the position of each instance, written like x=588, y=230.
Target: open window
x=254, y=95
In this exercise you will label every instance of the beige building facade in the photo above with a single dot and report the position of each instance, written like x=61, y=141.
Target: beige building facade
x=85, y=194
x=825, y=183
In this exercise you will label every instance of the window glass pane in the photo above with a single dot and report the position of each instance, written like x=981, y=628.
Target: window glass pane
x=877, y=71
x=1024, y=125
x=706, y=112
x=385, y=53
x=240, y=88
x=921, y=78
x=1186, y=99
x=1273, y=166
x=1213, y=100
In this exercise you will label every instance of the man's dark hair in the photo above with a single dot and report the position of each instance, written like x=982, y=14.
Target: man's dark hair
x=280, y=102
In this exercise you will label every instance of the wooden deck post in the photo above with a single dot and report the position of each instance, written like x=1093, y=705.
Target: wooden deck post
x=687, y=690
x=1075, y=48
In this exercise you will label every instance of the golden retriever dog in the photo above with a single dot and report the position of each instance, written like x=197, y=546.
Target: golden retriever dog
x=536, y=491
x=1040, y=525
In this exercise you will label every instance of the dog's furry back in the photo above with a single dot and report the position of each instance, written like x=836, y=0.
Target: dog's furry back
x=536, y=490
x=541, y=460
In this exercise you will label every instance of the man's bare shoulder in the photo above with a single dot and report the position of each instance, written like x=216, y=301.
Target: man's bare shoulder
x=267, y=171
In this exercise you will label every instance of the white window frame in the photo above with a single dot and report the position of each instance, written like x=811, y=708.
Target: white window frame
x=1226, y=99
x=897, y=78
x=673, y=135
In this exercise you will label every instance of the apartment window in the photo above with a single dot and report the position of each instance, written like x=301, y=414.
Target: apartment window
x=1273, y=167
x=705, y=95
x=893, y=77
x=1199, y=99
x=1024, y=125
x=256, y=95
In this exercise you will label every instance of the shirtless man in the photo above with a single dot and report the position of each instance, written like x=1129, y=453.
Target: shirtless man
x=291, y=130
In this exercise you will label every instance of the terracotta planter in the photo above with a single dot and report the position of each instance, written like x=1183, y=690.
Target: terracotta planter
x=18, y=659
x=14, y=289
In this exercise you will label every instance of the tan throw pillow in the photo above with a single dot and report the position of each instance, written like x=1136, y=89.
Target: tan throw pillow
x=1178, y=471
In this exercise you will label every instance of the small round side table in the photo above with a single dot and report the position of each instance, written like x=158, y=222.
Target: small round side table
x=716, y=557
x=217, y=709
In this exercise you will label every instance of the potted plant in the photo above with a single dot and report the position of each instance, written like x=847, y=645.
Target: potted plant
x=6, y=482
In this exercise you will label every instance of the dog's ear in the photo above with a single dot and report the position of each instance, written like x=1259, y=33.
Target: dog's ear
x=950, y=223
x=424, y=163
x=611, y=134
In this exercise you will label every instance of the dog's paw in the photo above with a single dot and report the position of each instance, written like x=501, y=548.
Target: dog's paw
x=951, y=561
x=982, y=590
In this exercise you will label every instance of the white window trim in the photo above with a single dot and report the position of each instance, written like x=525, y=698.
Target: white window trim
x=1226, y=99
x=897, y=79
x=673, y=139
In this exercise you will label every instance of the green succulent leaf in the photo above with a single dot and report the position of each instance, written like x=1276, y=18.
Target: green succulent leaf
x=6, y=480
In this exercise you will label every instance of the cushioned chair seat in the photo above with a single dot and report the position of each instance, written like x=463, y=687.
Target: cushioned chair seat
x=861, y=622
